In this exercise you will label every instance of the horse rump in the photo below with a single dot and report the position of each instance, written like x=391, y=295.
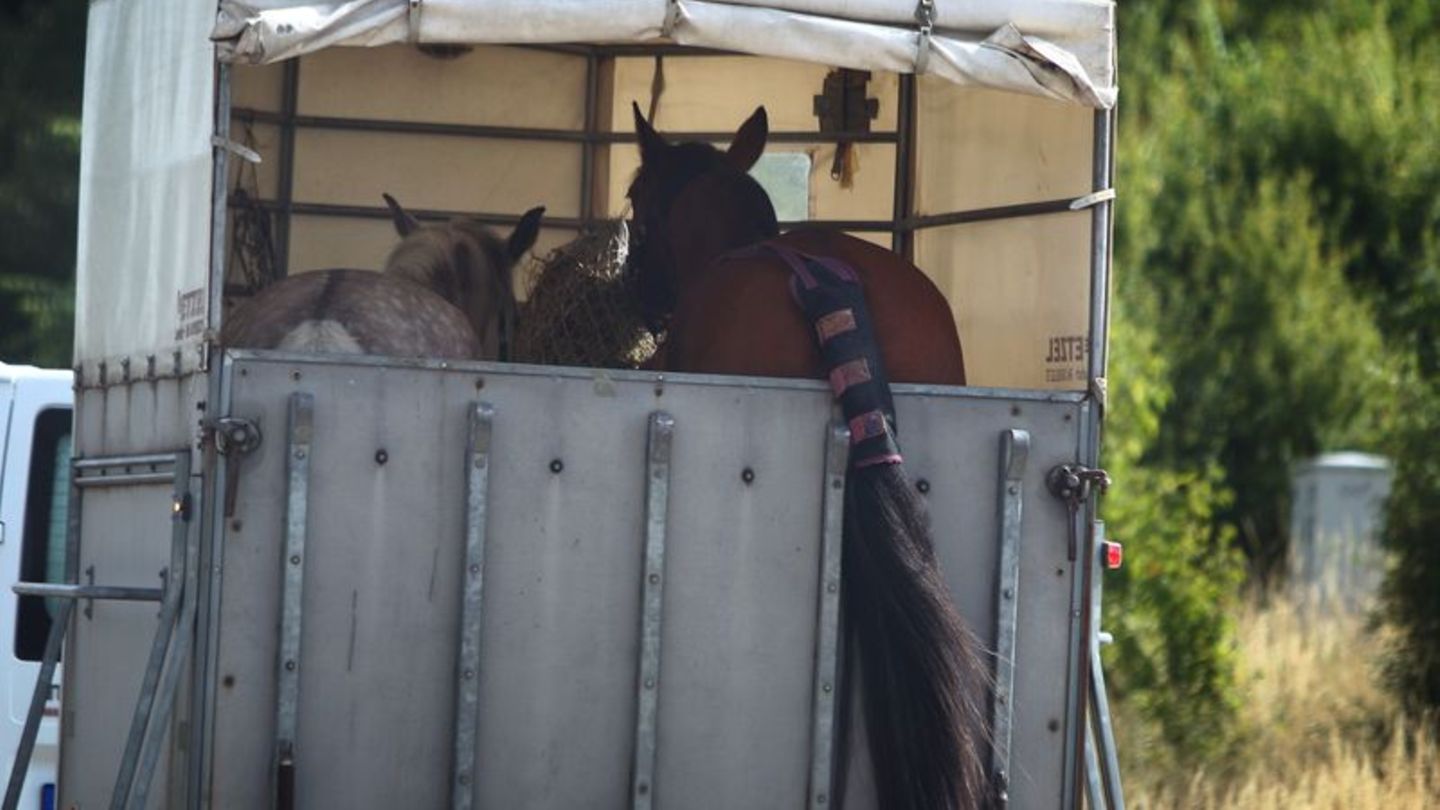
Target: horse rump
x=923, y=678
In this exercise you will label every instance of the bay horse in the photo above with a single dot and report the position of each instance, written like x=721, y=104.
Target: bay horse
x=445, y=292
x=712, y=268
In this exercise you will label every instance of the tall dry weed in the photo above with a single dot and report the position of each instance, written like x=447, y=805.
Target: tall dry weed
x=1317, y=729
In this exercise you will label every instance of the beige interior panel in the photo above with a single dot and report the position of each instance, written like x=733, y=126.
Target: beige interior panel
x=717, y=93
x=257, y=87
x=983, y=148
x=260, y=179
x=1020, y=291
x=321, y=242
x=489, y=85
x=437, y=172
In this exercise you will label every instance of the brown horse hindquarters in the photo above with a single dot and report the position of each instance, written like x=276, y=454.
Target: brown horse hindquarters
x=352, y=312
x=738, y=317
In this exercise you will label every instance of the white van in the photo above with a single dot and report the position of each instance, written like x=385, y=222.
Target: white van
x=35, y=407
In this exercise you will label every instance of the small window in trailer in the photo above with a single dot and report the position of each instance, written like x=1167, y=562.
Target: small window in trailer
x=42, y=553
x=972, y=185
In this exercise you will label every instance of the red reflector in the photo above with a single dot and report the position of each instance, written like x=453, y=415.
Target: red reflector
x=1114, y=555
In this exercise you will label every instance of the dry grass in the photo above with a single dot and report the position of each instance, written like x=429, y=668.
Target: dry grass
x=1318, y=731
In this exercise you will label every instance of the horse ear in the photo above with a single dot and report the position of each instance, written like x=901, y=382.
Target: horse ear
x=404, y=223
x=523, y=237
x=749, y=140
x=651, y=142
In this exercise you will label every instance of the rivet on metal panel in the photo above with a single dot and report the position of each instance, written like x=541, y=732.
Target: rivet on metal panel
x=299, y=453
x=295, y=559
x=290, y=666
x=747, y=475
x=295, y=375
x=923, y=486
x=479, y=383
x=1053, y=725
x=1014, y=410
x=381, y=456
x=236, y=525
x=556, y=465
x=654, y=579
x=474, y=569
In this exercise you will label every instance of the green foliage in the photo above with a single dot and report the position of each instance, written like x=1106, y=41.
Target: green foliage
x=1411, y=595
x=41, y=67
x=1172, y=661
x=1276, y=273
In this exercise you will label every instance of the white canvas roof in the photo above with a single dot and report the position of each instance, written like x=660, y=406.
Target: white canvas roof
x=1061, y=49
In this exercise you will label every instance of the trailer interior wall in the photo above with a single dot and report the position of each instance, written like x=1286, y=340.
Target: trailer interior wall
x=1019, y=286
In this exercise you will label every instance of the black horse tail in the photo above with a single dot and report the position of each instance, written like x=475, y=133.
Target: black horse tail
x=922, y=676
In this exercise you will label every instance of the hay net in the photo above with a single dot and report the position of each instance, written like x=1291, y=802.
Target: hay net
x=581, y=308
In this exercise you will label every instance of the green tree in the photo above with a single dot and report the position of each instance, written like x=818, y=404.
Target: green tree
x=42, y=47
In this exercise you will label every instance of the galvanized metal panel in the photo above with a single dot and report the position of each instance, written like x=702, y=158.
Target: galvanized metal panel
x=563, y=571
x=126, y=539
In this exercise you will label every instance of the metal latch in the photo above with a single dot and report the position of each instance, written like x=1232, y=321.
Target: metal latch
x=235, y=438
x=1072, y=483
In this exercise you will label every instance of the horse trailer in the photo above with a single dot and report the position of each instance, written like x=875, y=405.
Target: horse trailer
x=316, y=580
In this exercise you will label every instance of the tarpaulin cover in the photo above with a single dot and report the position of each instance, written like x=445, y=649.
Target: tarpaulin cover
x=1061, y=49
x=143, y=253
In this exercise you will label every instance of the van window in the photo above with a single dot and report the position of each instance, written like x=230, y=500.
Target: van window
x=42, y=551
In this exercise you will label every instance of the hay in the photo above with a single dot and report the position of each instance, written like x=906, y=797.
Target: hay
x=581, y=309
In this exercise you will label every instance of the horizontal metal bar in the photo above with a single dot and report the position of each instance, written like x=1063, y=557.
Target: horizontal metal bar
x=399, y=127
x=372, y=212
x=580, y=372
x=863, y=225
x=152, y=459
x=1016, y=211
x=120, y=593
x=627, y=49
x=124, y=479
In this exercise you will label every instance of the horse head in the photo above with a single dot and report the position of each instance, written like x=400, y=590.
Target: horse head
x=691, y=203
x=465, y=263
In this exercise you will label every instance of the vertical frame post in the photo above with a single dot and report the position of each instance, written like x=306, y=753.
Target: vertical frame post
x=902, y=237
x=289, y=103
x=292, y=592
x=1014, y=453
x=467, y=675
x=652, y=593
x=827, y=621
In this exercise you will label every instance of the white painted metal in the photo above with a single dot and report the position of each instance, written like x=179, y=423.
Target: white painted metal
x=25, y=393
